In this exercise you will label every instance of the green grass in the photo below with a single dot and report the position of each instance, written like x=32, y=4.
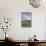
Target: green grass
x=26, y=23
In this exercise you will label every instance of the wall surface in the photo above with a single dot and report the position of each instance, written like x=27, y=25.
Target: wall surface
x=45, y=28
x=13, y=8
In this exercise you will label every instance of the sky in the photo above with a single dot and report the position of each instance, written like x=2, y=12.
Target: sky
x=26, y=16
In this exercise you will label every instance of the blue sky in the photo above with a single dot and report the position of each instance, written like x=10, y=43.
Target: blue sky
x=26, y=15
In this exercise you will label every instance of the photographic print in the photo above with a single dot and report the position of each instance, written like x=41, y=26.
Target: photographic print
x=26, y=19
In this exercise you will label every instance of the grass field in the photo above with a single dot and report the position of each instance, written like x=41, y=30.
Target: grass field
x=26, y=23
